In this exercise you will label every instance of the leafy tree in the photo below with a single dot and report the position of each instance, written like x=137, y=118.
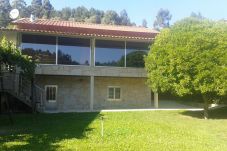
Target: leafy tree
x=94, y=19
x=36, y=8
x=21, y=6
x=111, y=18
x=95, y=16
x=4, y=12
x=81, y=14
x=66, y=13
x=96, y=12
x=197, y=15
x=47, y=9
x=162, y=19
x=144, y=23
x=189, y=58
x=124, y=19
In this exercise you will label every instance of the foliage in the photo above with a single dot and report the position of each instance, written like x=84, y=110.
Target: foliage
x=44, y=9
x=47, y=9
x=21, y=6
x=197, y=15
x=136, y=59
x=111, y=17
x=36, y=8
x=80, y=14
x=66, y=13
x=144, y=23
x=188, y=58
x=162, y=19
x=10, y=55
x=4, y=15
x=155, y=130
x=124, y=19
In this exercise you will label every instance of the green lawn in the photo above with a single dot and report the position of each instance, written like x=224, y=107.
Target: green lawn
x=152, y=130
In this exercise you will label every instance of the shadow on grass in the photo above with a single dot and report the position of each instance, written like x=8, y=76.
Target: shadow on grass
x=220, y=113
x=40, y=132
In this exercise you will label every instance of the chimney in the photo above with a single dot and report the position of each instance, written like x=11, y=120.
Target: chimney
x=32, y=18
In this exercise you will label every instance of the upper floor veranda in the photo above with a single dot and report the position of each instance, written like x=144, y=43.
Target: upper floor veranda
x=109, y=54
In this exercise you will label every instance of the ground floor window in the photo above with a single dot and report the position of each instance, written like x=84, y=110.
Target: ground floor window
x=51, y=93
x=114, y=93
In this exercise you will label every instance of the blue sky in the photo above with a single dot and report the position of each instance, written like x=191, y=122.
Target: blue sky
x=147, y=9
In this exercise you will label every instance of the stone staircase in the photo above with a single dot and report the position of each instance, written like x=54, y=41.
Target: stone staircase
x=18, y=86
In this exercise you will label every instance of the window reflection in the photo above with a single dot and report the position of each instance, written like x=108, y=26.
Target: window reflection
x=73, y=51
x=110, y=53
x=40, y=48
x=135, y=53
x=76, y=51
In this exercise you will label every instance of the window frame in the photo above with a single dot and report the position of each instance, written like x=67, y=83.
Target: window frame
x=114, y=93
x=82, y=38
x=100, y=39
x=32, y=34
x=52, y=86
x=56, y=47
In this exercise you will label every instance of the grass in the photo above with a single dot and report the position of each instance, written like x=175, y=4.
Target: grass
x=154, y=130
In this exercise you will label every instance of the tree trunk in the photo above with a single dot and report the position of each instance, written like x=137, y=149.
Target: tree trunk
x=206, y=106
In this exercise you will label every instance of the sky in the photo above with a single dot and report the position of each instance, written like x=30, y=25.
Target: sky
x=147, y=9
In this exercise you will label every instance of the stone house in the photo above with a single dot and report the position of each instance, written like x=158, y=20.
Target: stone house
x=86, y=67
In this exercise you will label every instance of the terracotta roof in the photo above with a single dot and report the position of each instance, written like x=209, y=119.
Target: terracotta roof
x=86, y=29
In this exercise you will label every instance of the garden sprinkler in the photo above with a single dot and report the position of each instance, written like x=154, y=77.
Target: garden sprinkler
x=102, y=126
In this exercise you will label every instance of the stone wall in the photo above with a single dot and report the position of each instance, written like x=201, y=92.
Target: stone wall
x=73, y=92
x=89, y=70
x=134, y=93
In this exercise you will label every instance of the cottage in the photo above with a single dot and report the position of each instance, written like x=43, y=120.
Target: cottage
x=86, y=67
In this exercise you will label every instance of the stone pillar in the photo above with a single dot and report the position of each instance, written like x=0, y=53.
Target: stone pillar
x=156, y=100
x=92, y=65
x=91, y=92
x=92, y=61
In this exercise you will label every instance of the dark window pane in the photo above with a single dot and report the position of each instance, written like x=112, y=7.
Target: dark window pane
x=73, y=51
x=109, y=53
x=51, y=93
x=47, y=93
x=117, y=93
x=40, y=48
x=135, y=53
x=111, y=93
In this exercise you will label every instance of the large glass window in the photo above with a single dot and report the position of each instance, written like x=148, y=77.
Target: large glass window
x=40, y=48
x=110, y=53
x=73, y=51
x=135, y=52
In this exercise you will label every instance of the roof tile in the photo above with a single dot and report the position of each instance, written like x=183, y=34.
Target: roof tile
x=78, y=28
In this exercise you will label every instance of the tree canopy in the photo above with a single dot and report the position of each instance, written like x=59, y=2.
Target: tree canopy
x=190, y=57
x=162, y=19
x=21, y=6
x=144, y=23
x=4, y=14
x=44, y=9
